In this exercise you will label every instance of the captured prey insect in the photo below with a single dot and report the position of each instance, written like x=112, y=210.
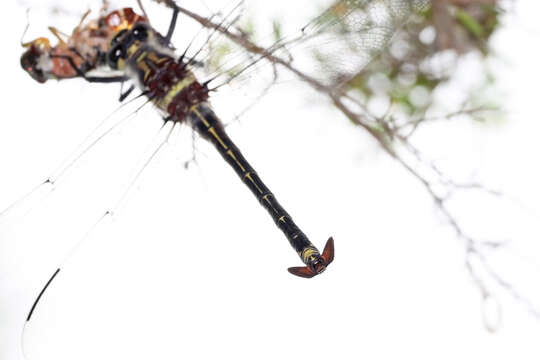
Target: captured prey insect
x=146, y=57
x=81, y=52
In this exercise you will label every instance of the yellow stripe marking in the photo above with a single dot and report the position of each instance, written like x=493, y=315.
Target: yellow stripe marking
x=201, y=117
x=231, y=154
x=248, y=175
x=209, y=128
x=216, y=136
x=165, y=102
x=307, y=253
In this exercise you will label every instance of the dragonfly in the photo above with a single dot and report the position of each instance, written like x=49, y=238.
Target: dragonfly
x=129, y=49
x=172, y=87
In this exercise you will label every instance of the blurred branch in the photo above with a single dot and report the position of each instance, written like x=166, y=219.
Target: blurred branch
x=470, y=113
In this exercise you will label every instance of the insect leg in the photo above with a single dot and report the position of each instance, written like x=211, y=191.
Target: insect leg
x=124, y=95
x=172, y=25
x=139, y=2
x=41, y=294
x=105, y=79
x=85, y=15
x=58, y=34
x=92, y=79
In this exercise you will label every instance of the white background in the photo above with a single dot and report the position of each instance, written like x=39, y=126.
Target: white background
x=192, y=267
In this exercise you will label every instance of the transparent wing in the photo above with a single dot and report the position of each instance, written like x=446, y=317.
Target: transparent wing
x=340, y=41
x=352, y=33
x=334, y=46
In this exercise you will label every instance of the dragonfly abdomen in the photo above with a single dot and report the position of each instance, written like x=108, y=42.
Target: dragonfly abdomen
x=207, y=124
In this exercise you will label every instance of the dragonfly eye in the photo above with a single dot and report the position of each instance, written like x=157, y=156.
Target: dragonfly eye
x=115, y=54
x=140, y=31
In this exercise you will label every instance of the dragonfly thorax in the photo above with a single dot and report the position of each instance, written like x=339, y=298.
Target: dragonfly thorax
x=168, y=82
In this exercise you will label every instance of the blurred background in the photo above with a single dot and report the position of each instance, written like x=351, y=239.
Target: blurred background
x=418, y=155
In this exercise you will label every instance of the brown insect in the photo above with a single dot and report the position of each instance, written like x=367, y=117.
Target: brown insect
x=80, y=52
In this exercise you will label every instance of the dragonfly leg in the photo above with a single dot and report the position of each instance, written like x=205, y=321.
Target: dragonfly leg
x=92, y=79
x=172, y=25
x=125, y=94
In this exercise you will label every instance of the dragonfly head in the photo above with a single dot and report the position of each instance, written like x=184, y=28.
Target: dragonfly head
x=35, y=58
x=126, y=43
